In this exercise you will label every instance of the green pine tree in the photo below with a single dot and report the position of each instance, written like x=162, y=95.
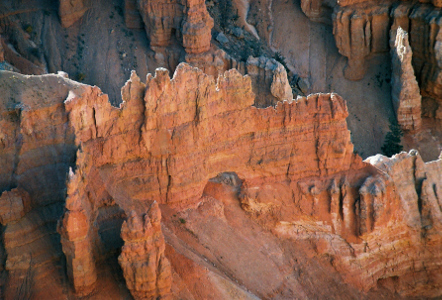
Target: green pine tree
x=392, y=143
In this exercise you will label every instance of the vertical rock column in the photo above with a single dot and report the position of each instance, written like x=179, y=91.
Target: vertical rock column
x=77, y=237
x=160, y=17
x=77, y=248
x=145, y=267
x=197, y=28
x=405, y=94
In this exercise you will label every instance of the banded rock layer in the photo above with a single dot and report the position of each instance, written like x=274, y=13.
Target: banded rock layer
x=281, y=185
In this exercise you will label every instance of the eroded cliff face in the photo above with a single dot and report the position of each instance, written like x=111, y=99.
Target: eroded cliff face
x=280, y=185
x=405, y=91
x=361, y=29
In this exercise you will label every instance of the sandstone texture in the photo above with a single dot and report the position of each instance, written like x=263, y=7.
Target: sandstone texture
x=405, y=91
x=145, y=267
x=360, y=32
x=187, y=165
x=14, y=205
x=189, y=20
x=205, y=183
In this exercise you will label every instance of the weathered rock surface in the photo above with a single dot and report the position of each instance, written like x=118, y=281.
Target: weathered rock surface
x=405, y=91
x=132, y=15
x=189, y=20
x=280, y=185
x=77, y=240
x=70, y=11
x=13, y=205
x=172, y=133
x=359, y=32
x=269, y=81
x=145, y=267
x=361, y=29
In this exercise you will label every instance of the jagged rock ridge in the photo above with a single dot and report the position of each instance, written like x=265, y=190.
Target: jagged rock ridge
x=218, y=167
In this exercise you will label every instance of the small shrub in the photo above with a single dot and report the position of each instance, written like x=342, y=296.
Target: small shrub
x=81, y=77
x=182, y=221
x=392, y=143
x=29, y=29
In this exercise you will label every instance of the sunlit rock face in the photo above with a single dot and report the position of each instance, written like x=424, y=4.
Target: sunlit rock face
x=280, y=185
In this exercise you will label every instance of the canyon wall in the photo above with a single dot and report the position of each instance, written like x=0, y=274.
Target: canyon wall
x=281, y=182
x=361, y=30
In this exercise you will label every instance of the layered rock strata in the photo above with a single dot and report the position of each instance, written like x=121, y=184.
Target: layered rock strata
x=170, y=134
x=188, y=20
x=398, y=205
x=361, y=29
x=359, y=32
x=405, y=92
x=145, y=267
x=14, y=205
x=36, y=149
x=221, y=170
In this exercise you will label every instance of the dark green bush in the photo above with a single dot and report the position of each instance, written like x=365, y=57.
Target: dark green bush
x=392, y=142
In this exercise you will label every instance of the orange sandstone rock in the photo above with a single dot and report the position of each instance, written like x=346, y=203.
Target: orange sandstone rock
x=405, y=91
x=145, y=267
x=269, y=182
x=14, y=205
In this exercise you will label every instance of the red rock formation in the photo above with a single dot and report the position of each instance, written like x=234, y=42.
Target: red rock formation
x=395, y=206
x=269, y=81
x=405, y=92
x=197, y=27
x=36, y=149
x=160, y=19
x=189, y=20
x=70, y=11
x=201, y=150
x=360, y=31
x=145, y=267
x=14, y=205
x=76, y=239
x=425, y=42
x=173, y=128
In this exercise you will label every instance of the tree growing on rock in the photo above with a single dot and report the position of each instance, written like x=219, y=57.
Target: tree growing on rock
x=392, y=142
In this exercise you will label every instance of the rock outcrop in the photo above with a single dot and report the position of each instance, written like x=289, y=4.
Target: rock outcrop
x=405, y=92
x=14, y=205
x=145, y=267
x=269, y=81
x=175, y=128
x=359, y=32
x=281, y=185
x=361, y=28
x=390, y=221
x=188, y=21
x=77, y=240
x=70, y=11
